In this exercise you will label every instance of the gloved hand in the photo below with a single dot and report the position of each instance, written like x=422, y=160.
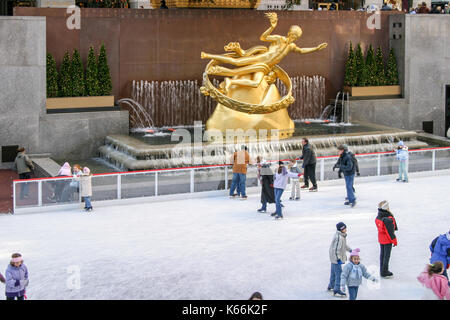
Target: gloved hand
x=303, y=166
x=334, y=168
x=395, y=243
x=271, y=185
x=340, y=175
x=343, y=289
x=340, y=262
x=358, y=174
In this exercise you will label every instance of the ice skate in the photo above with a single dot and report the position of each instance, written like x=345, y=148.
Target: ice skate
x=339, y=294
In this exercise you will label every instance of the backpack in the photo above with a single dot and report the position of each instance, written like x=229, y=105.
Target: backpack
x=433, y=244
x=355, y=162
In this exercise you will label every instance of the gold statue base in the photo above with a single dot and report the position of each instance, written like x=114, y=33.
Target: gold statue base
x=224, y=118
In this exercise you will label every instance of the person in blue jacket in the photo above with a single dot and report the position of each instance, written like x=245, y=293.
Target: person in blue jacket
x=402, y=157
x=440, y=251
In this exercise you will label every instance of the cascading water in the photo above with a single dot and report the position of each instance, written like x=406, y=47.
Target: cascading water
x=132, y=154
x=174, y=103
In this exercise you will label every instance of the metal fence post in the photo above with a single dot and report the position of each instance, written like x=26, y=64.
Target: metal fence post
x=322, y=169
x=192, y=180
x=226, y=178
x=119, y=186
x=156, y=183
x=14, y=197
x=379, y=165
x=40, y=193
x=433, y=160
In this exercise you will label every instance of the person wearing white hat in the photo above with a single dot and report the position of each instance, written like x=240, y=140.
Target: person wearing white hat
x=386, y=226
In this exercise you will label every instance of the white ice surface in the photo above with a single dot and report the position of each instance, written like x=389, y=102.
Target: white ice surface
x=220, y=248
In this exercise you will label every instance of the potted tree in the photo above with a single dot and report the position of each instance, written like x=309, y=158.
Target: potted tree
x=77, y=89
x=369, y=77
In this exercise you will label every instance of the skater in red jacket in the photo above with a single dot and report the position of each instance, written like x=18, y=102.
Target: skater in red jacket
x=386, y=226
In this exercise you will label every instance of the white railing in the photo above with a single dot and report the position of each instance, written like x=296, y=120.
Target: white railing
x=151, y=183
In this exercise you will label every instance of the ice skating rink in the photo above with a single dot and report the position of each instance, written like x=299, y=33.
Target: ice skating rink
x=221, y=248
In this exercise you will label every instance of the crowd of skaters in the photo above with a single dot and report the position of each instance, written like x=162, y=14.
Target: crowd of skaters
x=434, y=278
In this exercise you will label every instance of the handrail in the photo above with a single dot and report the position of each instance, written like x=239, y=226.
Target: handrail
x=217, y=165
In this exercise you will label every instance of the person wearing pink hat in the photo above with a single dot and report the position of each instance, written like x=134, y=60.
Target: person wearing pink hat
x=352, y=275
x=16, y=278
x=86, y=188
x=64, y=171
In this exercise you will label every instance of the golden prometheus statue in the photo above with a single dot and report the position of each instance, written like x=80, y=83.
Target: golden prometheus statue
x=248, y=97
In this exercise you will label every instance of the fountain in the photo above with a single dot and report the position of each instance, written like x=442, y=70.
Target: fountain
x=253, y=96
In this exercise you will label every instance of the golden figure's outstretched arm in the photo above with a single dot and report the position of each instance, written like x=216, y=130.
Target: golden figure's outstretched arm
x=266, y=36
x=308, y=50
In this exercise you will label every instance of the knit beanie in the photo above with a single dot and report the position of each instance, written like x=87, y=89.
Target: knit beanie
x=341, y=226
x=384, y=205
x=355, y=253
x=86, y=170
x=343, y=147
x=400, y=143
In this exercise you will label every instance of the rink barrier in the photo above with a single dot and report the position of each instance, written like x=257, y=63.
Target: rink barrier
x=157, y=173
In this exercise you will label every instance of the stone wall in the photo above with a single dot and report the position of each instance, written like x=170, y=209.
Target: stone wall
x=23, y=117
x=22, y=80
x=422, y=46
x=166, y=44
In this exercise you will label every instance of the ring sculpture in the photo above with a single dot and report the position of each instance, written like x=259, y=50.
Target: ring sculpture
x=248, y=97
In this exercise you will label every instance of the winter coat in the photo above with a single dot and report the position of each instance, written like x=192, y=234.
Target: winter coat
x=355, y=163
x=86, y=185
x=295, y=169
x=386, y=226
x=75, y=183
x=345, y=164
x=281, y=179
x=437, y=283
x=352, y=275
x=339, y=247
x=65, y=170
x=267, y=191
x=16, y=280
x=240, y=161
x=22, y=163
x=402, y=153
x=2, y=278
x=308, y=155
x=441, y=251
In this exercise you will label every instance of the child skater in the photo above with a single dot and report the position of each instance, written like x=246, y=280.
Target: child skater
x=338, y=256
x=280, y=181
x=86, y=188
x=435, y=284
x=16, y=278
x=295, y=189
x=352, y=275
x=402, y=157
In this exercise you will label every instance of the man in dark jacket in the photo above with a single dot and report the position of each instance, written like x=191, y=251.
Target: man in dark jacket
x=23, y=165
x=346, y=165
x=355, y=163
x=309, y=164
x=386, y=226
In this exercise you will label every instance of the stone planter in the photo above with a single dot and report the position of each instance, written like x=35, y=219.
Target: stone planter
x=374, y=91
x=80, y=102
x=243, y=4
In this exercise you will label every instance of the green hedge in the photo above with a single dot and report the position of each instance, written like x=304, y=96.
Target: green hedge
x=370, y=70
x=74, y=81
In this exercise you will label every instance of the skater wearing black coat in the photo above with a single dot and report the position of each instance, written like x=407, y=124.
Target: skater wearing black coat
x=265, y=174
x=309, y=164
